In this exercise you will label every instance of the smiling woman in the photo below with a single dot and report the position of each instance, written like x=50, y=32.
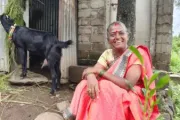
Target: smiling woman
x=112, y=89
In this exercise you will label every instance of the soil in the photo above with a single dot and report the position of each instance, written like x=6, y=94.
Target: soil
x=26, y=102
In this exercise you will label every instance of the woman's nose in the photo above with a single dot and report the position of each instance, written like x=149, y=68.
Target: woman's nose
x=118, y=35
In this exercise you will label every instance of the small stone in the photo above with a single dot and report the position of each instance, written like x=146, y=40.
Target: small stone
x=63, y=105
x=49, y=116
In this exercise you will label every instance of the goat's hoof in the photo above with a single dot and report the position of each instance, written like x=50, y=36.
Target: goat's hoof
x=52, y=92
x=23, y=75
x=58, y=88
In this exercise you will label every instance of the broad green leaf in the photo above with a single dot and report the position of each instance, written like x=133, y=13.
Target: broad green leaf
x=152, y=92
x=162, y=82
x=145, y=82
x=153, y=77
x=136, y=52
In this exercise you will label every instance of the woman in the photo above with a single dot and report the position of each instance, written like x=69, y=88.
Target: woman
x=106, y=93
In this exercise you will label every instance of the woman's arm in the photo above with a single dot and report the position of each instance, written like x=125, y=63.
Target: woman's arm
x=92, y=83
x=132, y=76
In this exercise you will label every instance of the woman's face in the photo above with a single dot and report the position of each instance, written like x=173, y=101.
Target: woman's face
x=118, y=37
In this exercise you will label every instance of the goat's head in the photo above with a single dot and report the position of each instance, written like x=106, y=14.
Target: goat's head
x=6, y=18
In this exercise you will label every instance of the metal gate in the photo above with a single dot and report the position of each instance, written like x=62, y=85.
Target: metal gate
x=44, y=15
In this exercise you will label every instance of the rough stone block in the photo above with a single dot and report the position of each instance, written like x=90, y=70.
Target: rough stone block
x=97, y=38
x=162, y=66
x=165, y=19
x=97, y=4
x=164, y=38
x=83, y=6
x=84, y=38
x=84, y=47
x=164, y=28
x=84, y=13
x=166, y=48
x=160, y=10
x=94, y=14
x=167, y=8
x=158, y=48
x=84, y=22
x=84, y=30
x=94, y=55
x=97, y=21
x=98, y=47
x=83, y=54
x=86, y=62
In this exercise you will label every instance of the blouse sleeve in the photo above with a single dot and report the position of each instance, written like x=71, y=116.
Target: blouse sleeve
x=103, y=59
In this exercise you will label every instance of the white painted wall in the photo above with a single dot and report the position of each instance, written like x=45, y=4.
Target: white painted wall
x=142, y=35
x=4, y=64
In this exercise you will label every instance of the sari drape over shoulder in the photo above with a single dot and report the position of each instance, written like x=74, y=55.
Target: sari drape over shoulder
x=113, y=102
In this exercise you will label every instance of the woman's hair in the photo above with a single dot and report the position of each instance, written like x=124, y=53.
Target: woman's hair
x=116, y=22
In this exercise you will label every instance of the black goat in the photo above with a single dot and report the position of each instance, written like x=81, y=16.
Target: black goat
x=43, y=43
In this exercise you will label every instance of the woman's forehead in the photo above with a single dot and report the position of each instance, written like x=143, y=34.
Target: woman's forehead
x=116, y=27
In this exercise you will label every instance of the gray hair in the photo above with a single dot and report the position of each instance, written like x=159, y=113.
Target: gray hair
x=116, y=22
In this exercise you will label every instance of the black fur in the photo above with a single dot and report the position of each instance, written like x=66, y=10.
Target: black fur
x=43, y=43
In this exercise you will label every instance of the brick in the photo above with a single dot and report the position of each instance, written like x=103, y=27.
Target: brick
x=97, y=4
x=97, y=38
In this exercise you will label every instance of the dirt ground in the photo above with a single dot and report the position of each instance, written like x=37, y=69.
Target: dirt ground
x=26, y=102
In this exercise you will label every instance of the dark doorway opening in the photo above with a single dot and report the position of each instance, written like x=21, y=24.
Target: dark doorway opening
x=43, y=15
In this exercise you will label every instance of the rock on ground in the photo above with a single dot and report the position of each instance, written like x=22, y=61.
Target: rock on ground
x=63, y=105
x=49, y=116
x=32, y=78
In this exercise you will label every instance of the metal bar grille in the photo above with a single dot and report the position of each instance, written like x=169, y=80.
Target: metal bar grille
x=44, y=15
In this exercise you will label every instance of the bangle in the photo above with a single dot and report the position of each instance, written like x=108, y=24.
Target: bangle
x=128, y=84
x=101, y=73
x=88, y=73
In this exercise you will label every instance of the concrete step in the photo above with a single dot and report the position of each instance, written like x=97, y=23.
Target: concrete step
x=75, y=73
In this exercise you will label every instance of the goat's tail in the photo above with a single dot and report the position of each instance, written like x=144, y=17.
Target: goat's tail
x=65, y=44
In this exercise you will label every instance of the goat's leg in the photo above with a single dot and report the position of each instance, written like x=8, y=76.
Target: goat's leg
x=23, y=61
x=58, y=72
x=53, y=77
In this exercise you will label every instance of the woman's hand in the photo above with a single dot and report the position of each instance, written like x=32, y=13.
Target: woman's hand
x=92, y=86
x=89, y=70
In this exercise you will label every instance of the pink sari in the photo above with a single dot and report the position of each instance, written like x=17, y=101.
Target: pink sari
x=114, y=103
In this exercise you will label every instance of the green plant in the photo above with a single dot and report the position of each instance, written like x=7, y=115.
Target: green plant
x=175, y=59
x=175, y=96
x=149, y=93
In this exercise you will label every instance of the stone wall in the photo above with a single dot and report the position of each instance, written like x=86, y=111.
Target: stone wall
x=163, y=42
x=126, y=14
x=91, y=29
